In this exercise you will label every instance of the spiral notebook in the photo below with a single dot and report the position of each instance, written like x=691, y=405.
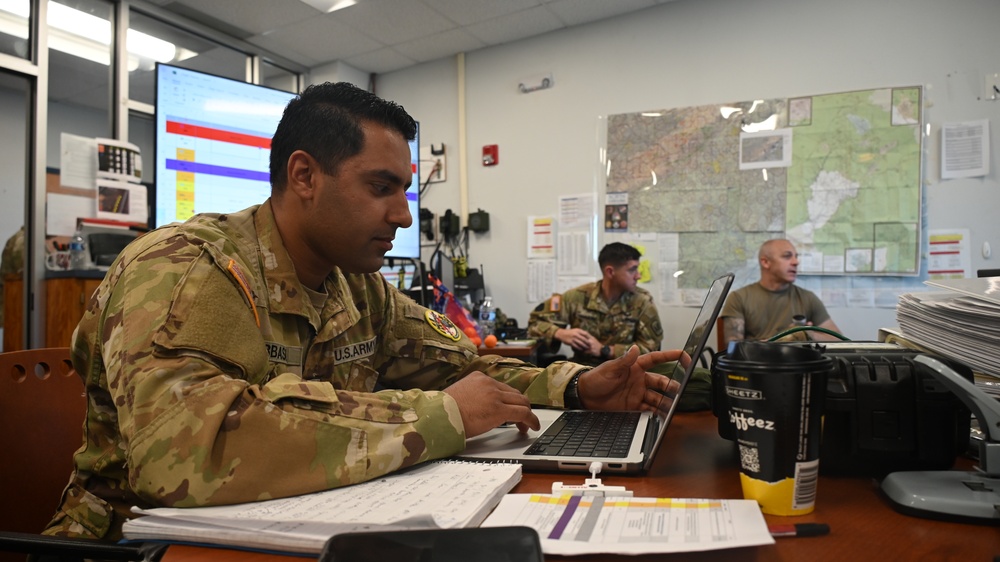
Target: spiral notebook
x=444, y=494
x=635, y=452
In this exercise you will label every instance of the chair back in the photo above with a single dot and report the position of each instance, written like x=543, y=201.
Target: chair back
x=42, y=408
x=720, y=335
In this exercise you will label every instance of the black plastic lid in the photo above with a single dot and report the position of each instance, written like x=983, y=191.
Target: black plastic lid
x=773, y=357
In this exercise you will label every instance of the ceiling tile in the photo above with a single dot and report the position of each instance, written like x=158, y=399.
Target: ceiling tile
x=393, y=22
x=575, y=12
x=281, y=48
x=381, y=61
x=255, y=17
x=512, y=27
x=324, y=38
x=440, y=45
x=465, y=12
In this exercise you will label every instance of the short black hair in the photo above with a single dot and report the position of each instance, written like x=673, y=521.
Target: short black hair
x=616, y=254
x=325, y=120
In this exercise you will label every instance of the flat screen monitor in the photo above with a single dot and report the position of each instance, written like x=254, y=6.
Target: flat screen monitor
x=213, y=145
x=392, y=274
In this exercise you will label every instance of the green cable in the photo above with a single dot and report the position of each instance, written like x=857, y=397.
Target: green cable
x=805, y=329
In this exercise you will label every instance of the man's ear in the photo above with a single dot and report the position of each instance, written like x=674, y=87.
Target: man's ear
x=303, y=172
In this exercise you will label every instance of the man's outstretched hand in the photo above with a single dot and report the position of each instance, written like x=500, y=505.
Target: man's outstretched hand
x=625, y=384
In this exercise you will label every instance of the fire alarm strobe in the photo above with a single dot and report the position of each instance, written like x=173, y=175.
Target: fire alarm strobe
x=491, y=155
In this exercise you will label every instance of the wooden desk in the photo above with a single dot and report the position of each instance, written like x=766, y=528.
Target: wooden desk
x=527, y=353
x=695, y=462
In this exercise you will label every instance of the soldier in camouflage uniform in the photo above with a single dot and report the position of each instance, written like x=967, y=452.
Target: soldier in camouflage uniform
x=259, y=354
x=603, y=319
x=11, y=262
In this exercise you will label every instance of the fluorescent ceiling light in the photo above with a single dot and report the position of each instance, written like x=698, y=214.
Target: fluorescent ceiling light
x=327, y=6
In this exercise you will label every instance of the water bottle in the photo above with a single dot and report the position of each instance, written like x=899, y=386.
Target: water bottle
x=78, y=251
x=487, y=316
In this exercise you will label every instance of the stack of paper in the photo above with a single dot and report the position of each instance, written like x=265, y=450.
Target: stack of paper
x=442, y=494
x=962, y=324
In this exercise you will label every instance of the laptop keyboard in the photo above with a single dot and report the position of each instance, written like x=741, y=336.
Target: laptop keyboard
x=587, y=434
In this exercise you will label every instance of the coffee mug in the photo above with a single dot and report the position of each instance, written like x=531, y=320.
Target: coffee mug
x=57, y=261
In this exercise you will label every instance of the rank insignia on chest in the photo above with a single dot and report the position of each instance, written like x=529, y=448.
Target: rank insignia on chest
x=443, y=325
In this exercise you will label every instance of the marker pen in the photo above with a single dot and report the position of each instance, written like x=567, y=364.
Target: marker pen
x=799, y=530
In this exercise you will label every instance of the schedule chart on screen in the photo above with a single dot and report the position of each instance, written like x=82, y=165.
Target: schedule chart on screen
x=213, y=143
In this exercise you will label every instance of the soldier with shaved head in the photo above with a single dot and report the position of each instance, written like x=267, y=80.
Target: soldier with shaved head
x=770, y=306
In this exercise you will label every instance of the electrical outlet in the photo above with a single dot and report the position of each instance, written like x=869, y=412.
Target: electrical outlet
x=992, y=84
x=433, y=166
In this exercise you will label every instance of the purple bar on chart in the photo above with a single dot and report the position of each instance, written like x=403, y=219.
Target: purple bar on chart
x=211, y=169
x=567, y=514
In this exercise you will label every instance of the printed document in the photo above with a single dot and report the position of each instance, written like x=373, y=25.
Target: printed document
x=571, y=525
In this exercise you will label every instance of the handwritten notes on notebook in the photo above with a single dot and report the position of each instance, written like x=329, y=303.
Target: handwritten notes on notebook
x=442, y=494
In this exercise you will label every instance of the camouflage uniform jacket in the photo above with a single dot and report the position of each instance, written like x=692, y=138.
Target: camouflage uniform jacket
x=213, y=377
x=11, y=262
x=632, y=319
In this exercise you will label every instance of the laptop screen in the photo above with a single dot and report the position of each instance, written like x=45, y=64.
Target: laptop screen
x=697, y=338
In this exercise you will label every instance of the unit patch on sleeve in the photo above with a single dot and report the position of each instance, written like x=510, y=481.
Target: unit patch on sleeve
x=443, y=325
x=555, y=303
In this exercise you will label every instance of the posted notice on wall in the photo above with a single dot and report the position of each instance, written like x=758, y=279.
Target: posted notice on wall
x=949, y=256
x=965, y=149
x=541, y=237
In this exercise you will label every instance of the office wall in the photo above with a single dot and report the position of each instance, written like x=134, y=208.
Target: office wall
x=688, y=53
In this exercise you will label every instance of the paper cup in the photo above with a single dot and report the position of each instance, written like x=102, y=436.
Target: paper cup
x=774, y=400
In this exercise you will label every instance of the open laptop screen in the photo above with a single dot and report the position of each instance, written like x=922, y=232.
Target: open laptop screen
x=697, y=338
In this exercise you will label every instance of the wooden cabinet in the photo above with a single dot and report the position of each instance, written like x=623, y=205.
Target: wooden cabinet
x=13, y=316
x=66, y=298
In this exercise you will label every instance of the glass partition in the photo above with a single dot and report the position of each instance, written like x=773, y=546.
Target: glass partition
x=15, y=92
x=79, y=71
x=176, y=47
x=274, y=76
x=15, y=33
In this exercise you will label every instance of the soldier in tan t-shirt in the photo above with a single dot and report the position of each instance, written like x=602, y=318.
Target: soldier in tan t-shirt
x=774, y=304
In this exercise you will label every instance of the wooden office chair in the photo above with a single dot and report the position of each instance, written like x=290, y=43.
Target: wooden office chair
x=42, y=408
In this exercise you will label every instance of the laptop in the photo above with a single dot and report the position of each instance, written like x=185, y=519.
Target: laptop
x=630, y=453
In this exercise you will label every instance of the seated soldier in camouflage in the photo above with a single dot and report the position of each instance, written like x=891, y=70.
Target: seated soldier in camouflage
x=604, y=319
x=11, y=262
x=259, y=354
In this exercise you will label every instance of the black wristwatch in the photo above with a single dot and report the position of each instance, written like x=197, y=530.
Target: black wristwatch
x=606, y=352
x=571, y=396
